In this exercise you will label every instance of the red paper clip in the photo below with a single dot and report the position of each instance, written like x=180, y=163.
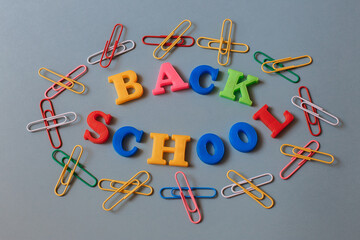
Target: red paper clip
x=300, y=164
x=180, y=44
x=307, y=116
x=58, y=89
x=107, y=45
x=52, y=112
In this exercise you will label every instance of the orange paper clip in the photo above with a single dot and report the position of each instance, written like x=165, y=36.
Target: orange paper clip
x=180, y=44
x=107, y=46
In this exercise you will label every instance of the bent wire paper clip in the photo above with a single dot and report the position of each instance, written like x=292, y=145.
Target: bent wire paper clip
x=296, y=153
x=174, y=195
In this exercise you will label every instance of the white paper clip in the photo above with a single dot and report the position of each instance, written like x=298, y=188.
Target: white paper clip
x=124, y=50
x=65, y=117
x=236, y=193
x=317, y=115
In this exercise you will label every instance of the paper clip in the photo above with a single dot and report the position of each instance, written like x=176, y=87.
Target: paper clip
x=307, y=116
x=277, y=62
x=61, y=180
x=113, y=188
x=68, y=86
x=268, y=58
x=222, y=51
x=300, y=164
x=107, y=46
x=80, y=166
x=189, y=211
x=61, y=89
x=180, y=44
x=179, y=37
x=130, y=182
x=254, y=187
x=173, y=191
x=305, y=102
x=124, y=49
x=299, y=155
x=237, y=193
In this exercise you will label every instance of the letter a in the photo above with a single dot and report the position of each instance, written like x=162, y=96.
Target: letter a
x=168, y=76
x=122, y=87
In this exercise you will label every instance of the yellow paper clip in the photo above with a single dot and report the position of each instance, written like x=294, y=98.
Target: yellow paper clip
x=296, y=149
x=68, y=87
x=113, y=188
x=122, y=189
x=253, y=186
x=222, y=51
x=162, y=44
x=279, y=62
x=62, y=175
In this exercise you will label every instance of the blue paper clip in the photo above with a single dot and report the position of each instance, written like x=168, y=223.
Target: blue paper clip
x=268, y=58
x=80, y=166
x=177, y=196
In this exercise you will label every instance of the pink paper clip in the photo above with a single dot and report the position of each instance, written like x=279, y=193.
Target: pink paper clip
x=107, y=46
x=59, y=89
x=300, y=164
x=52, y=112
x=189, y=211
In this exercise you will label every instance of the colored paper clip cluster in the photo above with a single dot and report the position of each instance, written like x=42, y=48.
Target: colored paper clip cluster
x=58, y=90
x=61, y=181
x=233, y=186
x=258, y=199
x=179, y=44
x=268, y=58
x=228, y=43
x=80, y=166
x=133, y=181
x=69, y=86
x=164, y=43
x=301, y=163
x=296, y=153
x=275, y=64
x=305, y=102
x=175, y=195
x=189, y=211
x=307, y=116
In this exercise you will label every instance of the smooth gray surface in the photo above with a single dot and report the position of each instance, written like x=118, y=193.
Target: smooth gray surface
x=319, y=202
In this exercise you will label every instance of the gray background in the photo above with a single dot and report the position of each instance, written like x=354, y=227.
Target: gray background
x=319, y=202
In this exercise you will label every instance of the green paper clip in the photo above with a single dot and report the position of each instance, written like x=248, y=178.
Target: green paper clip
x=62, y=163
x=268, y=58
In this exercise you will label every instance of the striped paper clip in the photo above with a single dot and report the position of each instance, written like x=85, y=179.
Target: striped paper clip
x=220, y=42
x=233, y=186
x=275, y=64
x=179, y=44
x=107, y=46
x=58, y=90
x=80, y=166
x=301, y=163
x=162, y=45
x=122, y=45
x=174, y=195
x=307, y=116
x=258, y=199
x=69, y=86
x=296, y=149
x=189, y=211
x=61, y=181
x=268, y=58
x=132, y=182
x=305, y=102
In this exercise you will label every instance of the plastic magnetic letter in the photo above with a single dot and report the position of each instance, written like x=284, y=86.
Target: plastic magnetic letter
x=122, y=87
x=98, y=127
x=178, y=150
x=118, y=139
x=233, y=85
x=195, y=78
x=169, y=76
x=270, y=121
x=250, y=133
x=203, y=153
